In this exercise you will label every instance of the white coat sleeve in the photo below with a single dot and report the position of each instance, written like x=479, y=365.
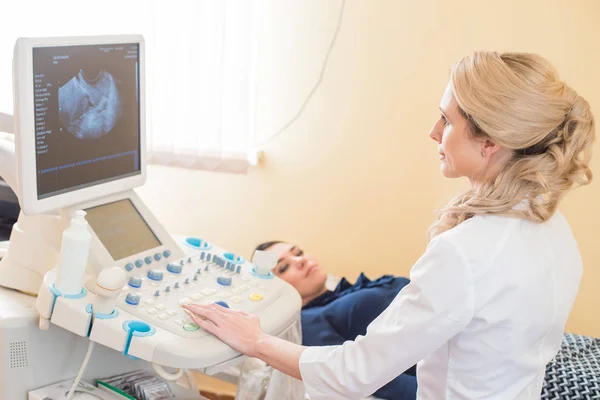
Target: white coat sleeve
x=431, y=309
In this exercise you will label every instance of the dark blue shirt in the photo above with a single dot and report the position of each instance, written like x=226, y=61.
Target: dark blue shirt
x=343, y=314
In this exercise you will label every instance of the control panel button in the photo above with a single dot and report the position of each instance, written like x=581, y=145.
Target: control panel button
x=139, y=263
x=237, y=299
x=158, y=256
x=224, y=295
x=208, y=292
x=135, y=282
x=185, y=300
x=222, y=304
x=196, y=296
x=148, y=260
x=238, y=269
x=129, y=267
x=163, y=316
x=224, y=280
x=155, y=275
x=171, y=313
x=190, y=327
x=256, y=297
x=160, y=307
x=174, y=268
x=132, y=299
x=152, y=310
x=149, y=301
x=167, y=253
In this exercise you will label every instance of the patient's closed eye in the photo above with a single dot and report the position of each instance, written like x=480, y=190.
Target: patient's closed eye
x=283, y=268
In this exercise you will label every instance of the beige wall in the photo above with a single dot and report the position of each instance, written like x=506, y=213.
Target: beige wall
x=356, y=179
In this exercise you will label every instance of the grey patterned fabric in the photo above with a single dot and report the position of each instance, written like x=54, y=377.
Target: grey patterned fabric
x=575, y=371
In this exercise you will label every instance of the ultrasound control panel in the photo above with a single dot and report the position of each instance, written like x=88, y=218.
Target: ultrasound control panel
x=156, y=291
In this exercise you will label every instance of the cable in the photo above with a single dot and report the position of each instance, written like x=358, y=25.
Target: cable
x=166, y=375
x=81, y=370
x=317, y=84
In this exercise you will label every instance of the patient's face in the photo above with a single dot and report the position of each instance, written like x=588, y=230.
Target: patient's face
x=299, y=269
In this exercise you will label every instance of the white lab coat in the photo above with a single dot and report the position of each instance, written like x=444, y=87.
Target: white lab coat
x=484, y=313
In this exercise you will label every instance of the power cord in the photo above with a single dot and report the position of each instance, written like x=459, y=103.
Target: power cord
x=317, y=84
x=81, y=370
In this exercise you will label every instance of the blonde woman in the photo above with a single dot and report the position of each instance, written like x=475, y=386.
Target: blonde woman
x=488, y=300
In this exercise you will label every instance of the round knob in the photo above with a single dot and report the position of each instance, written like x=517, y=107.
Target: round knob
x=135, y=282
x=132, y=299
x=174, y=268
x=222, y=303
x=129, y=267
x=224, y=280
x=155, y=275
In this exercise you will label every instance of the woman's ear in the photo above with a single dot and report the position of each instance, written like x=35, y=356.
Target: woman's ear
x=488, y=147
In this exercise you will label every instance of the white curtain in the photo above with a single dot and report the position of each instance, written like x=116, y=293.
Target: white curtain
x=200, y=69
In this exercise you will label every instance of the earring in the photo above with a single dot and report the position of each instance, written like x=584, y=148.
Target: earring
x=482, y=153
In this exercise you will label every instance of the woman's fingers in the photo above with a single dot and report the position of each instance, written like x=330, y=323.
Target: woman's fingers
x=205, y=311
x=207, y=326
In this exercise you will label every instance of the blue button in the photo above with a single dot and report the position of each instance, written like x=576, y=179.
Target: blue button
x=158, y=256
x=239, y=269
x=148, y=260
x=222, y=303
x=202, y=255
x=132, y=299
x=129, y=267
x=224, y=280
x=167, y=253
x=208, y=257
x=135, y=282
x=139, y=263
x=174, y=268
x=155, y=275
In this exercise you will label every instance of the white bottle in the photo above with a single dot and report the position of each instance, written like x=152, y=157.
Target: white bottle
x=74, y=252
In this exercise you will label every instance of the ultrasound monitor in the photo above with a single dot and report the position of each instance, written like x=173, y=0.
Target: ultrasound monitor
x=79, y=111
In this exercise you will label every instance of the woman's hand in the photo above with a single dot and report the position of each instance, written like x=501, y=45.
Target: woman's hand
x=240, y=330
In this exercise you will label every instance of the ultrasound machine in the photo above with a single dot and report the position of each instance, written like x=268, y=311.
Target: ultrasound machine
x=79, y=144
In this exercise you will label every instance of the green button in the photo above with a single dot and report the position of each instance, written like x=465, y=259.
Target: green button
x=191, y=326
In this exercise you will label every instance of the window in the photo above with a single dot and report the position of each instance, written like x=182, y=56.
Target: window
x=200, y=69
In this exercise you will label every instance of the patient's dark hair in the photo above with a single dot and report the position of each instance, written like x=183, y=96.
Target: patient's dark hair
x=266, y=245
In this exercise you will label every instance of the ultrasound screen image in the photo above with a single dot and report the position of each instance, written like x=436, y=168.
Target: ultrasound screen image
x=89, y=108
x=87, y=115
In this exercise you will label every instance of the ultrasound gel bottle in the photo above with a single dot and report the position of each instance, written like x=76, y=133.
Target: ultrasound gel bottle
x=73, y=258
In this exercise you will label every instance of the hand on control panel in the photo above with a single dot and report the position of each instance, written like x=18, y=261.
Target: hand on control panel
x=238, y=329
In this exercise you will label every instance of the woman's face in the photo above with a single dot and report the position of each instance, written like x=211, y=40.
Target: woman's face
x=299, y=269
x=461, y=154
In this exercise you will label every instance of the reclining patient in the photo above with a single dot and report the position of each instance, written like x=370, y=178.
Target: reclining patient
x=332, y=317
